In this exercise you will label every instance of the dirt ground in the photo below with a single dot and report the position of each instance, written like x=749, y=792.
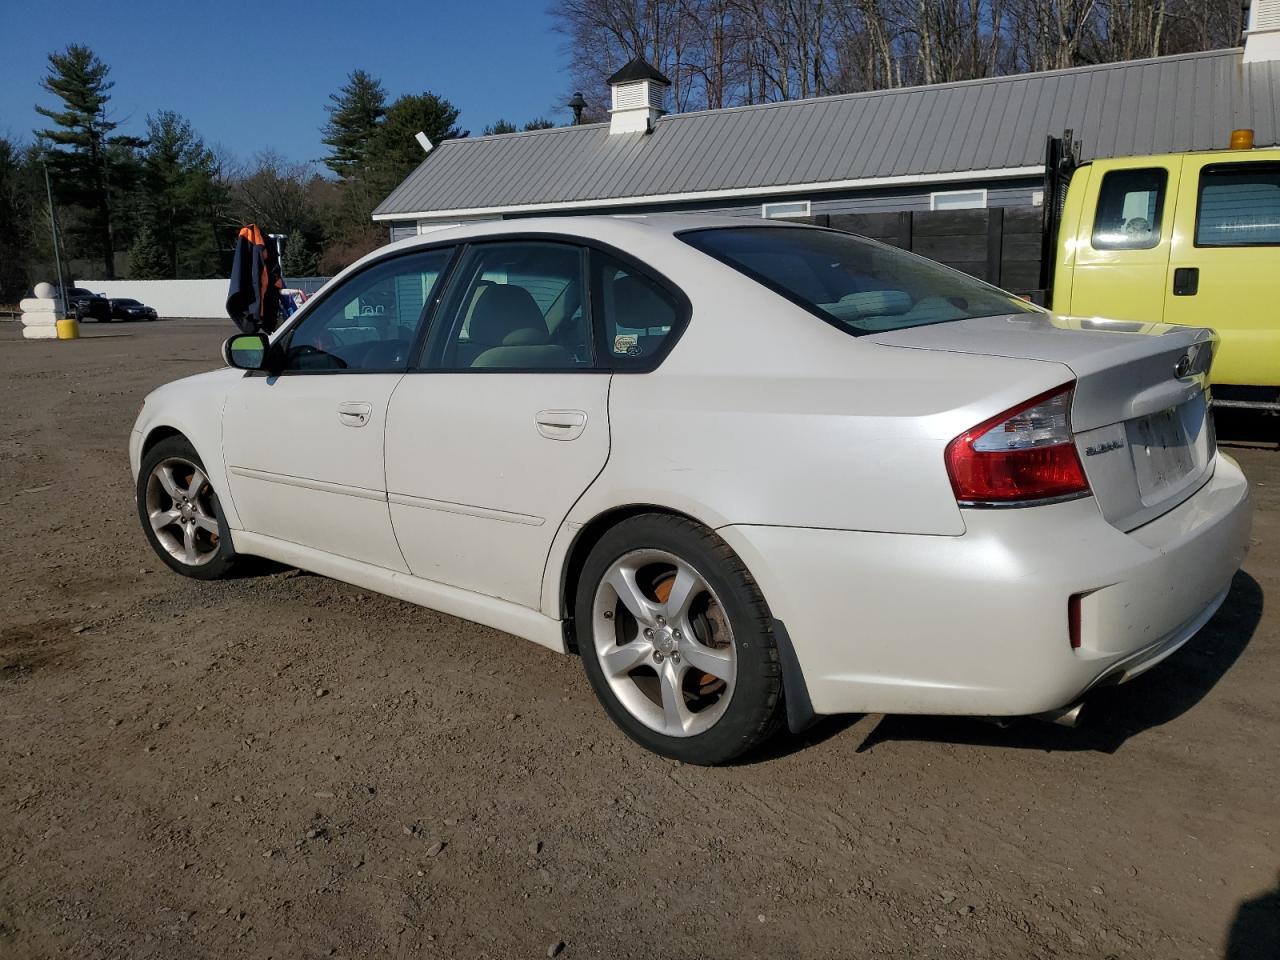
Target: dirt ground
x=285, y=766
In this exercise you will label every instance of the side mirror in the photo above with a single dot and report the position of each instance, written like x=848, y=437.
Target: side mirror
x=246, y=351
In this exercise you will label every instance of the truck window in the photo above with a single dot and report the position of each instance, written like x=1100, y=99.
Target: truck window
x=1130, y=204
x=1238, y=205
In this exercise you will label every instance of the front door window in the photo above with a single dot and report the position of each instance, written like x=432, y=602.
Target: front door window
x=371, y=322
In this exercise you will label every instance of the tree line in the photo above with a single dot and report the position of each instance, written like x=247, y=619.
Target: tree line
x=724, y=53
x=167, y=204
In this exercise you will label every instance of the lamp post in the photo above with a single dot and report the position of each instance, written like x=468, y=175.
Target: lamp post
x=53, y=227
x=279, y=239
x=577, y=104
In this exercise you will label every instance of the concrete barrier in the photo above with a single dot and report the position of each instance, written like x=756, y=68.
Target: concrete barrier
x=171, y=298
x=41, y=314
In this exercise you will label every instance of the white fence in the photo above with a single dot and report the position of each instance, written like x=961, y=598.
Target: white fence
x=171, y=298
x=203, y=299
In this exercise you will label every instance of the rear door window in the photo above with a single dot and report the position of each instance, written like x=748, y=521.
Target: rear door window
x=639, y=316
x=1238, y=205
x=1130, y=208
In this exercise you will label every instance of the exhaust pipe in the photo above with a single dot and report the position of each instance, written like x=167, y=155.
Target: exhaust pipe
x=1068, y=716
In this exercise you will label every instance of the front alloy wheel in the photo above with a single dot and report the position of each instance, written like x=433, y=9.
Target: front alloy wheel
x=179, y=511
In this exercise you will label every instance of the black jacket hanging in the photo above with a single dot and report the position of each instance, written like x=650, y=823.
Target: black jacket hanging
x=253, y=297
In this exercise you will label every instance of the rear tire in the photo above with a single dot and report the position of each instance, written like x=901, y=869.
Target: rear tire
x=677, y=640
x=180, y=513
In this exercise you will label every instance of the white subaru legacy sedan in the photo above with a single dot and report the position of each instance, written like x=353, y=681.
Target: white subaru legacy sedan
x=751, y=473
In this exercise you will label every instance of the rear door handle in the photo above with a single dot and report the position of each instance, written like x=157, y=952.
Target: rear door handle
x=561, y=424
x=1186, y=281
x=354, y=413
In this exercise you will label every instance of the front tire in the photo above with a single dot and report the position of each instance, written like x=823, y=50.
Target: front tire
x=677, y=640
x=180, y=514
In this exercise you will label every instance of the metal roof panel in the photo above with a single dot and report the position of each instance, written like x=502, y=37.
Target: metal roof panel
x=1165, y=104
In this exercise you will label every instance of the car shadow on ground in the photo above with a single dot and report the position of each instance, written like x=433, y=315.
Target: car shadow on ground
x=1111, y=715
x=1255, y=931
x=787, y=743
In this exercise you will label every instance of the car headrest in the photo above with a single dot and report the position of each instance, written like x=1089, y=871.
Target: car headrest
x=505, y=314
x=637, y=306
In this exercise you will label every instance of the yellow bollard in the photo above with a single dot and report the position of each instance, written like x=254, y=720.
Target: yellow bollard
x=69, y=329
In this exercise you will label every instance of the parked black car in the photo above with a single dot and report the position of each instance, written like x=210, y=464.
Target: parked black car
x=86, y=305
x=126, y=308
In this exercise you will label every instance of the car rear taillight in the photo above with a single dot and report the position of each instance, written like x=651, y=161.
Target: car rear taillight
x=1021, y=456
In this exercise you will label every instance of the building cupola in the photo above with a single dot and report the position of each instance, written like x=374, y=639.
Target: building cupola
x=638, y=94
x=1262, y=31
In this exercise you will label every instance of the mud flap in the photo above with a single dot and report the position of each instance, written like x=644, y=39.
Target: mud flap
x=795, y=692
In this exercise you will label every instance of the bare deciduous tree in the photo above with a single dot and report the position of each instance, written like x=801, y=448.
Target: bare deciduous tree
x=721, y=53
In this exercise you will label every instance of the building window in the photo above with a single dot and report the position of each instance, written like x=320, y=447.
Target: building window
x=958, y=200
x=793, y=208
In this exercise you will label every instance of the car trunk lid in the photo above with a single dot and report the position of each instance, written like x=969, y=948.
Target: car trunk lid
x=1140, y=411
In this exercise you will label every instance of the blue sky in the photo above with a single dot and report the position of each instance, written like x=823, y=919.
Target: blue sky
x=257, y=75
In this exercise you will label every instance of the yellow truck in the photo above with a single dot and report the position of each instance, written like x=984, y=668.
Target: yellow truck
x=1189, y=238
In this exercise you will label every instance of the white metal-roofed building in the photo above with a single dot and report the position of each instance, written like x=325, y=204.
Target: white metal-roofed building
x=978, y=143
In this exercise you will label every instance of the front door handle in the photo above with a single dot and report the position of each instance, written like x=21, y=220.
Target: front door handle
x=561, y=424
x=1186, y=281
x=354, y=413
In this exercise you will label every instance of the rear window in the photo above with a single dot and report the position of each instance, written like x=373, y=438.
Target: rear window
x=1239, y=206
x=857, y=285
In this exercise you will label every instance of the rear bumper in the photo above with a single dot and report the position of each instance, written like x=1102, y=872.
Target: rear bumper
x=977, y=624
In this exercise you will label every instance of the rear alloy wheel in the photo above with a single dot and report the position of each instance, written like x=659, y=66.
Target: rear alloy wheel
x=679, y=648
x=179, y=512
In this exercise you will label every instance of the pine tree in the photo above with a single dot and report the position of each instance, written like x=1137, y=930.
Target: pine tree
x=300, y=258
x=499, y=126
x=394, y=150
x=18, y=217
x=147, y=260
x=354, y=115
x=539, y=123
x=82, y=148
x=178, y=171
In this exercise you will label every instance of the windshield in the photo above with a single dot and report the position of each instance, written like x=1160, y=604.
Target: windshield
x=857, y=285
x=128, y=303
